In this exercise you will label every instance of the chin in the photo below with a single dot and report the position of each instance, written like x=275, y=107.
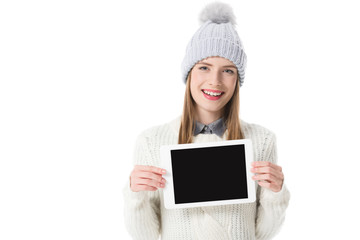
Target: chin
x=212, y=109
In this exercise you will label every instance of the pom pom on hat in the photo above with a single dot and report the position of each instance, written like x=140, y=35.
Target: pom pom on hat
x=217, y=12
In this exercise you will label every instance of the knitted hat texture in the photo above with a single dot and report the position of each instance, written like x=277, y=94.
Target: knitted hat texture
x=215, y=37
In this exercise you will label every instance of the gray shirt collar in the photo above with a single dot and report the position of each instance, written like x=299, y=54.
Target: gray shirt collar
x=218, y=127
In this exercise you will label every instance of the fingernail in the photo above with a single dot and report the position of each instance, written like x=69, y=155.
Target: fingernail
x=163, y=171
x=163, y=180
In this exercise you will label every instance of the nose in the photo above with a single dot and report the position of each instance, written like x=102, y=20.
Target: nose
x=215, y=78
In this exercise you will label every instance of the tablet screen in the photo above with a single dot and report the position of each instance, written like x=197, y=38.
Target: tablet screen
x=209, y=174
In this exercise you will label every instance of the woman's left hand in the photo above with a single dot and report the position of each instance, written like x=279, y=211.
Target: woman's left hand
x=269, y=175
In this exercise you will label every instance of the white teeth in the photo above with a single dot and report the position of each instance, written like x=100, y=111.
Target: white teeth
x=212, y=93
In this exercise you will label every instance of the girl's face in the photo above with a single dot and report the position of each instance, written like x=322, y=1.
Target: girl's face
x=212, y=85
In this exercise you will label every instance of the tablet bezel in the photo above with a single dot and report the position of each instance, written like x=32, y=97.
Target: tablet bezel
x=168, y=190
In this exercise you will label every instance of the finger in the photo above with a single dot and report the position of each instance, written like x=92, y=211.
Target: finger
x=270, y=185
x=136, y=187
x=267, y=170
x=267, y=177
x=150, y=169
x=266, y=164
x=150, y=175
x=278, y=175
x=260, y=163
x=264, y=170
x=145, y=188
x=150, y=182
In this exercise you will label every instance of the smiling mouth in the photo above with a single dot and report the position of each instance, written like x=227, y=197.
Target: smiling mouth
x=212, y=93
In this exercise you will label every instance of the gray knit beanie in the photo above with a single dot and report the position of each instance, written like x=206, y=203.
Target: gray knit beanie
x=216, y=37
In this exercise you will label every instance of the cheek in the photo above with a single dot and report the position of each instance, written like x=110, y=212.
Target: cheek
x=197, y=77
x=232, y=85
x=192, y=87
x=195, y=84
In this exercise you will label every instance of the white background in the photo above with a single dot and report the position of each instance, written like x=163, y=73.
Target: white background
x=81, y=79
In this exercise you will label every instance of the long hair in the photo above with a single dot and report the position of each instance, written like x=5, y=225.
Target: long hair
x=231, y=116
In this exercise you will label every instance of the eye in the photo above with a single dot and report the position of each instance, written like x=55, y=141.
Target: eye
x=229, y=71
x=203, y=68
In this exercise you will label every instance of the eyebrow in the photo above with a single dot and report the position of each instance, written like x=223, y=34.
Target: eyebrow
x=232, y=66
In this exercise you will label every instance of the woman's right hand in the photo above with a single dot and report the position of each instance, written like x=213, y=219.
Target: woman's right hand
x=146, y=178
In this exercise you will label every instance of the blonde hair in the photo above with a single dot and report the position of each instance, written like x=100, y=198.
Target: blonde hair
x=231, y=116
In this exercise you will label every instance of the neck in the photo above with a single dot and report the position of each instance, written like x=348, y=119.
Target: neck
x=206, y=117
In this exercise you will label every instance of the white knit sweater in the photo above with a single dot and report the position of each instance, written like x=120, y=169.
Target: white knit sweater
x=147, y=219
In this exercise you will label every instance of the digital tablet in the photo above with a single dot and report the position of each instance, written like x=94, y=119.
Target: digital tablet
x=208, y=174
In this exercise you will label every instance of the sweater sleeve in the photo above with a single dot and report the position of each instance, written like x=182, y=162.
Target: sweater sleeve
x=271, y=205
x=142, y=209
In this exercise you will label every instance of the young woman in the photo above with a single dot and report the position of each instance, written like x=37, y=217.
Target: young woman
x=213, y=70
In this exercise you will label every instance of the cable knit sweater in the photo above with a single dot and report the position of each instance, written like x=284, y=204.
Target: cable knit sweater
x=147, y=219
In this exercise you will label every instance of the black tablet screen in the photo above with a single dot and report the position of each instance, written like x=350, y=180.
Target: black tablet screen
x=209, y=174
